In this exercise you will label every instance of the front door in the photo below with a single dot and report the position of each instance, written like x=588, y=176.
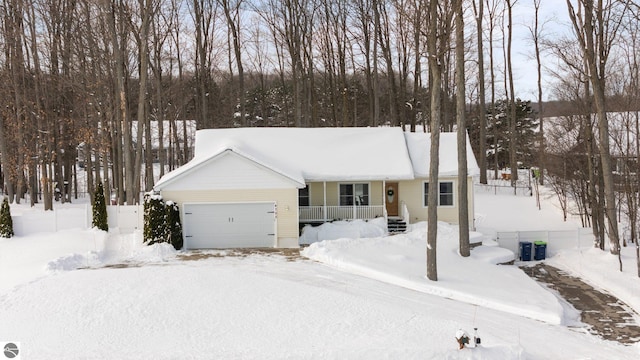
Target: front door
x=391, y=198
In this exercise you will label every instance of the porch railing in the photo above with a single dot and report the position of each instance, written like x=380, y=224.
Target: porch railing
x=317, y=213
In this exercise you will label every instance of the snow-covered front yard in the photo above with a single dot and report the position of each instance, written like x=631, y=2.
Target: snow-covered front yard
x=67, y=295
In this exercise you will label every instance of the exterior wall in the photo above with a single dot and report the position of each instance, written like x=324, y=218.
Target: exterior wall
x=230, y=171
x=316, y=192
x=286, y=202
x=411, y=192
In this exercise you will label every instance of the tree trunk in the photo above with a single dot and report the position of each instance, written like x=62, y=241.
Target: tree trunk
x=435, y=86
x=463, y=199
x=512, y=103
x=482, y=109
x=536, y=42
x=591, y=38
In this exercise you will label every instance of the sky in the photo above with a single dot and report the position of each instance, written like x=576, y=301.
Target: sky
x=363, y=296
x=554, y=23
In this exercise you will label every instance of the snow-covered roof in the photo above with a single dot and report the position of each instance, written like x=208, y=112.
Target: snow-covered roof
x=328, y=154
x=419, y=145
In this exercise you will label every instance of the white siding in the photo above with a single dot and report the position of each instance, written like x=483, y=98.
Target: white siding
x=230, y=171
x=286, y=205
x=234, y=225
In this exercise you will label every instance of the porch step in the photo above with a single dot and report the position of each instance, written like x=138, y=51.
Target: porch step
x=396, y=226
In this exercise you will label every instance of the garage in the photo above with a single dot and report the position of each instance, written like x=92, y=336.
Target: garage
x=229, y=225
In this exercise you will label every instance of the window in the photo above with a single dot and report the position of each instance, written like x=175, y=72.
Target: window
x=426, y=194
x=354, y=194
x=445, y=194
x=303, y=196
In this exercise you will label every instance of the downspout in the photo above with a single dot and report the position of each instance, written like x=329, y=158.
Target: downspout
x=472, y=208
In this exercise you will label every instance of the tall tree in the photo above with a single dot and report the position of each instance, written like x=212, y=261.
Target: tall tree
x=482, y=151
x=205, y=13
x=513, y=159
x=231, y=9
x=535, y=35
x=493, y=12
x=435, y=63
x=595, y=27
x=463, y=200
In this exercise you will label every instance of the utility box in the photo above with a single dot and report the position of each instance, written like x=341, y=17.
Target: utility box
x=540, y=250
x=525, y=251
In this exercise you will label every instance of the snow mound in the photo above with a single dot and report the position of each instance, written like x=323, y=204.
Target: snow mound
x=154, y=253
x=73, y=262
x=343, y=229
x=114, y=249
x=401, y=260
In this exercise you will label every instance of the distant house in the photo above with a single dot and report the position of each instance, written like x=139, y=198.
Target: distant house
x=566, y=142
x=254, y=187
x=177, y=140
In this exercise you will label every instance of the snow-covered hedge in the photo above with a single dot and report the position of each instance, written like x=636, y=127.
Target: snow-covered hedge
x=99, y=209
x=6, y=223
x=161, y=221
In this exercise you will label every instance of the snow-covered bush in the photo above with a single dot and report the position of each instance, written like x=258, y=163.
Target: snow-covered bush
x=173, y=225
x=161, y=221
x=99, y=209
x=6, y=223
x=154, y=219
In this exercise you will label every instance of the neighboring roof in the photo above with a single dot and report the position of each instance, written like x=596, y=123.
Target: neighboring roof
x=329, y=154
x=168, y=129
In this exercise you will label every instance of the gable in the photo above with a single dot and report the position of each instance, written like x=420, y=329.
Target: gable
x=229, y=170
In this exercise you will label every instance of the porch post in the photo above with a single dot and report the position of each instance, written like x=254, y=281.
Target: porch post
x=324, y=201
x=384, y=198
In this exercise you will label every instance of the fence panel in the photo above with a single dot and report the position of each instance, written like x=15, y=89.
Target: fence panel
x=73, y=218
x=556, y=240
x=33, y=222
x=125, y=218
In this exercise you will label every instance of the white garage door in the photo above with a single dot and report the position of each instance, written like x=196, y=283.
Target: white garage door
x=220, y=226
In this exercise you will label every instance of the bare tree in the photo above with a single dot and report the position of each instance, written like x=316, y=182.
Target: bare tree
x=205, y=14
x=231, y=9
x=463, y=200
x=595, y=29
x=482, y=151
x=512, y=97
x=436, y=41
x=383, y=34
x=493, y=12
x=536, y=32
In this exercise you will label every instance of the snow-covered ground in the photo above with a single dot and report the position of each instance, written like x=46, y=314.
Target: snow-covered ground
x=65, y=295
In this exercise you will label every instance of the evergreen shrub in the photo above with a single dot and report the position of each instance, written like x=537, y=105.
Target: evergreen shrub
x=173, y=225
x=154, y=219
x=99, y=209
x=6, y=223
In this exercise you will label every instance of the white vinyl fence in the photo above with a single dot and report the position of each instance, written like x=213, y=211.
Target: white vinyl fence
x=556, y=240
x=122, y=219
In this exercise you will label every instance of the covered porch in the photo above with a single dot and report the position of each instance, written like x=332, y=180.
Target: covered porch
x=325, y=201
x=324, y=213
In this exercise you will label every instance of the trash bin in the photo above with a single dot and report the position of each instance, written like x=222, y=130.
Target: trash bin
x=540, y=250
x=525, y=251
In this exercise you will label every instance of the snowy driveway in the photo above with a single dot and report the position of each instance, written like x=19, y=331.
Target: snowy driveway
x=262, y=307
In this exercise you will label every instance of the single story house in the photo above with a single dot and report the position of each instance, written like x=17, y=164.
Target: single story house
x=253, y=187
